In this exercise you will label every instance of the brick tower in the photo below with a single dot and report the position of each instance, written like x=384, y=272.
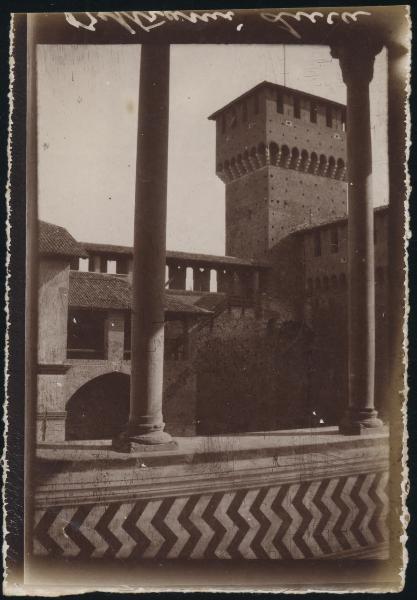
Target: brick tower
x=281, y=154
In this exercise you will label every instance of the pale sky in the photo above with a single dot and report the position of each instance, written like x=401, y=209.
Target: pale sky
x=87, y=132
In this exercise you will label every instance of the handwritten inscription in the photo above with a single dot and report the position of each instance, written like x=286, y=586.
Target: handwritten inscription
x=148, y=20
x=145, y=20
x=282, y=18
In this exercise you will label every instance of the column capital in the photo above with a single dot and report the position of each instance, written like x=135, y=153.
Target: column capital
x=356, y=57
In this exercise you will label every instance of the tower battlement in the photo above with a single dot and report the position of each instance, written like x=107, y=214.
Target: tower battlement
x=281, y=153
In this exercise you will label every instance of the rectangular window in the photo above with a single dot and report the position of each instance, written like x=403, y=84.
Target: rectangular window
x=343, y=120
x=296, y=107
x=329, y=116
x=85, y=337
x=84, y=264
x=317, y=243
x=122, y=266
x=111, y=267
x=256, y=104
x=280, y=103
x=334, y=240
x=313, y=112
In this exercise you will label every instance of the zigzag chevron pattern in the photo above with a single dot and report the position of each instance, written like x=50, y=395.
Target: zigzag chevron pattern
x=312, y=519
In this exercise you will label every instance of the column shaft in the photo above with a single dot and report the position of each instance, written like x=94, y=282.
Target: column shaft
x=357, y=69
x=145, y=421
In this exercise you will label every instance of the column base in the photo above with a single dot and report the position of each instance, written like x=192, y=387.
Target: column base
x=150, y=441
x=355, y=423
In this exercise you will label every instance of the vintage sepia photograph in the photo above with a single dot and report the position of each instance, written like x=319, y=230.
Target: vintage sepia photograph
x=208, y=220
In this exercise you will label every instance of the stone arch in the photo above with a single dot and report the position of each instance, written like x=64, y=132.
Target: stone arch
x=322, y=165
x=233, y=168
x=305, y=160
x=99, y=409
x=273, y=153
x=262, y=154
x=285, y=156
x=240, y=165
x=331, y=168
x=295, y=158
x=254, y=158
x=246, y=161
x=340, y=169
x=312, y=168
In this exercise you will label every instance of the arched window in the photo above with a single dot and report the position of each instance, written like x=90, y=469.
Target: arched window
x=241, y=165
x=233, y=168
x=322, y=164
x=273, y=153
x=304, y=161
x=246, y=161
x=313, y=163
x=262, y=154
x=254, y=158
x=340, y=169
x=294, y=158
x=331, y=169
x=285, y=156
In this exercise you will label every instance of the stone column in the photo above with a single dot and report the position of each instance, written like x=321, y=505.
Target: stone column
x=96, y=263
x=356, y=59
x=196, y=279
x=146, y=424
x=103, y=264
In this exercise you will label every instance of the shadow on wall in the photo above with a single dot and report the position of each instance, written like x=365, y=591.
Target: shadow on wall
x=99, y=409
x=263, y=383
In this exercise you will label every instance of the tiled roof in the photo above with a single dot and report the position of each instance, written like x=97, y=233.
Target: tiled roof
x=56, y=241
x=337, y=221
x=105, y=291
x=275, y=86
x=174, y=255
